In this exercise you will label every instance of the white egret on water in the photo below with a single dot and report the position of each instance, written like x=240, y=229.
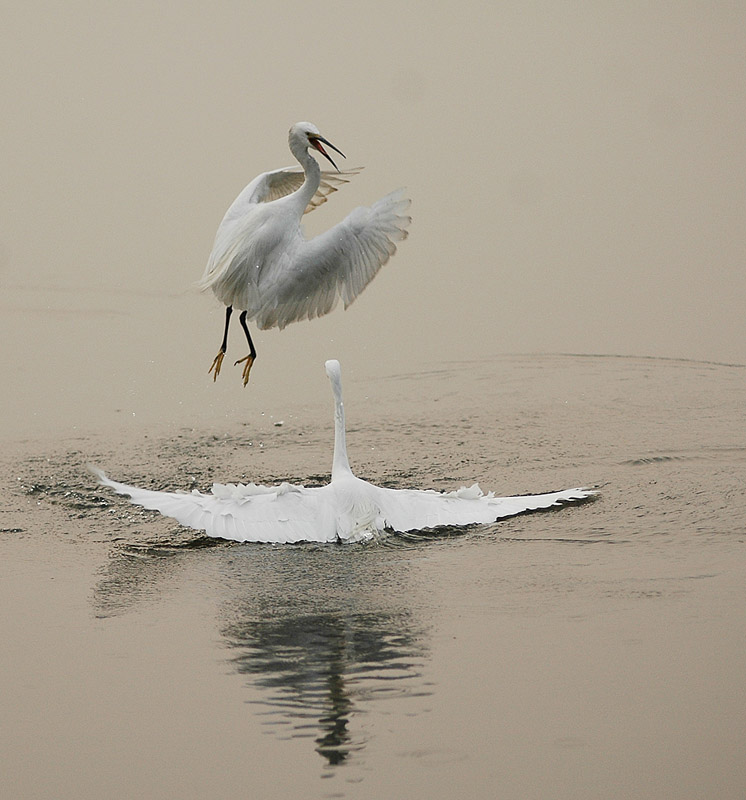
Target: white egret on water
x=347, y=509
x=262, y=264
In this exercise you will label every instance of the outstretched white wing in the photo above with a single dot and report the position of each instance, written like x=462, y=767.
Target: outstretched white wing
x=286, y=513
x=244, y=513
x=339, y=263
x=413, y=509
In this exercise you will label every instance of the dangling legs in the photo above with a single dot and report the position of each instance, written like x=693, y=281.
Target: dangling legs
x=218, y=362
x=251, y=357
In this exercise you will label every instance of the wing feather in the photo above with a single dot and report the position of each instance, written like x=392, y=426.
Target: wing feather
x=225, y=264
x=280, y=514
x=414, y=509
x=286, y=513
x=339, y=263
x=284, y=181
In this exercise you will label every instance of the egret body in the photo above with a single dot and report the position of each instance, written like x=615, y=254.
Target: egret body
x=347, y=509
x=262, y=264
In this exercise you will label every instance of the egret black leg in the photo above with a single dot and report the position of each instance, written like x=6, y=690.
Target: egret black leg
x=218, y=361
x=228, y=312
x=251, y=357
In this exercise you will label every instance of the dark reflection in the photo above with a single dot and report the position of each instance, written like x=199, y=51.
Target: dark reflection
x=319, y=668
x=322, y=631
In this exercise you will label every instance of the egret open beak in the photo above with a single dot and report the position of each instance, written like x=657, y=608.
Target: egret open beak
x=316, y=140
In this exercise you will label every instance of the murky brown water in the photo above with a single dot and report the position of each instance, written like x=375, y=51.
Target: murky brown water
x=593, y=650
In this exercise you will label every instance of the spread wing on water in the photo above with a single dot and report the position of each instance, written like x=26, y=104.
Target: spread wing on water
x=242, y=512
x=287, y=513
x=414, y=509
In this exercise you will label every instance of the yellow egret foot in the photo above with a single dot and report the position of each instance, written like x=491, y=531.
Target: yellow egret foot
x=249, y=359
x=216, y=364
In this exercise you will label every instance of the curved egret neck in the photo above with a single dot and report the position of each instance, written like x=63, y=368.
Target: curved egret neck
x=311, y=168
x=340, y=465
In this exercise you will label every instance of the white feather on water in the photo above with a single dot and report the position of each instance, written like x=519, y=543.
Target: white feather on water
x=347, y=509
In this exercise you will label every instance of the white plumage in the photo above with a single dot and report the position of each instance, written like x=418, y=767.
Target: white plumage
x=347, y=509
x=262, y=264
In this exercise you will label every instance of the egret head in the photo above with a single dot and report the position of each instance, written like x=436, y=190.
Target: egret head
x=334, y=373
x=333, y=369
x=306, y=134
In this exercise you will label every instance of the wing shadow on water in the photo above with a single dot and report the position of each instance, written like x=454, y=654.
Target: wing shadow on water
x=322, y=633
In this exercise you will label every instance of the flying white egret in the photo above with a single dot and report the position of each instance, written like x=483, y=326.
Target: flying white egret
x=262, y=264
x=347, y=509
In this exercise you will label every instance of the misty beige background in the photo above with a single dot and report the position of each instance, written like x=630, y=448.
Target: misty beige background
x=576, y=170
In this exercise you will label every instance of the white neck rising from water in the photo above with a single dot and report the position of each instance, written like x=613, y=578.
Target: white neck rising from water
x=340, y=465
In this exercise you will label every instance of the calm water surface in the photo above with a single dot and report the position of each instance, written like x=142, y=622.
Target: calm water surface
x=595, y=650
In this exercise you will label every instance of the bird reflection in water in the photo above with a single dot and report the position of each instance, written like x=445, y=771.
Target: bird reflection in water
x=320, y=669
x=324, y=633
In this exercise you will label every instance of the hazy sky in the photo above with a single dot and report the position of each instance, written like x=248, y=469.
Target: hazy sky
x=577, y=173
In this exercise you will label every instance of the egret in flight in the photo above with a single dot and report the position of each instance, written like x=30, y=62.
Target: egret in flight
x=262, y=264
x=347, y=509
